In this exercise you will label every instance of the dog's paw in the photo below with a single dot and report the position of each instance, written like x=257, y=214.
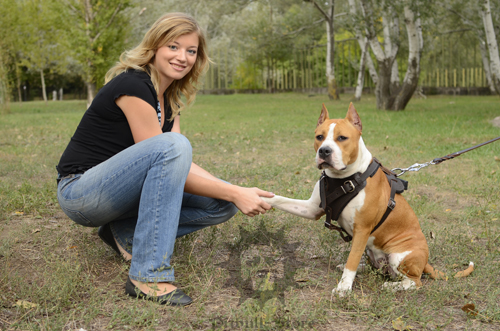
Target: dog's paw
x=406, y=284
x=268, y=200
x=342, y=290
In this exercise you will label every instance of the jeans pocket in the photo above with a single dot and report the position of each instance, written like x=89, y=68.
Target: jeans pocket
x=65, y=183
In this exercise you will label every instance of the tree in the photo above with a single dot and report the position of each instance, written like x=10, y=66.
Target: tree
x=477, y=16
x=329, y=15
x=365, y=59
x=492, y=44
x=7, y=24
x=40, y=44
x=389, y=94
x=96, y=31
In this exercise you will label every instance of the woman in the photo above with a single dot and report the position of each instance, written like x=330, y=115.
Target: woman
x=128, y=169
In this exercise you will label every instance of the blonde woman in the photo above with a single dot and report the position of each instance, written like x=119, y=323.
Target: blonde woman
x=128, y=170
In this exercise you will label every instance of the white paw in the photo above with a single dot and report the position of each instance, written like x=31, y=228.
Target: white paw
x=406, y=284
x=342, y=290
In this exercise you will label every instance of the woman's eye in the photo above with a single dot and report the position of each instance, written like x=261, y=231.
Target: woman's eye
x=172, y=47
x=341, y=138
x=319, y=137
x=192, y=52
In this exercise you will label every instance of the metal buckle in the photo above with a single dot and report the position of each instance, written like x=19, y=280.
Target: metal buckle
x=392, y=204
x=351, y=188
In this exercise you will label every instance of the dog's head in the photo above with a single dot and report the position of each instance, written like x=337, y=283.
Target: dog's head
x=337, y=140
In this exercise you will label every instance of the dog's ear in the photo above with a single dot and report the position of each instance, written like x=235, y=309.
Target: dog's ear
x=323, y=116
x=353, y=117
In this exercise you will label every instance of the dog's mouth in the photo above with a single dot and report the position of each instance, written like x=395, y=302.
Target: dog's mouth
x=322, y=164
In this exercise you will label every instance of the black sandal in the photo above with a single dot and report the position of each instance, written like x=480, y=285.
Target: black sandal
x=175, y=298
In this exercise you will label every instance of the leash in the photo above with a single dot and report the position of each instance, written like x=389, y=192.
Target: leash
x=418, y=166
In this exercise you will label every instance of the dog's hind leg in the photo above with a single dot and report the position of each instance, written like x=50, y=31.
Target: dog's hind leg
x=408, y=265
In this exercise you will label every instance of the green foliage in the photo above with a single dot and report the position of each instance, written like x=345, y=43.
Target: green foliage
x=96, y=31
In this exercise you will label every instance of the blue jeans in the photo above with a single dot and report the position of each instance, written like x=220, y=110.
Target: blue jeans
x=140, y=192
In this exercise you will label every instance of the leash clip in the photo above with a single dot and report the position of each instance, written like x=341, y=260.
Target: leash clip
x=414, y=167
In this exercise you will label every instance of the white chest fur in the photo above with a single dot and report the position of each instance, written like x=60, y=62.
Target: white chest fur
x=346, y=218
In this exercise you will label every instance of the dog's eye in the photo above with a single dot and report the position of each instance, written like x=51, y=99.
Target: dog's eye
x=342, y=138
x=319, y=137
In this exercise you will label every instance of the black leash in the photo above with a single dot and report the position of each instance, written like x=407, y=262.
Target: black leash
x=418, y=166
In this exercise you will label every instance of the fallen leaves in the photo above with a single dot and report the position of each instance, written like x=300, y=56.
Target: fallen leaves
x=470, y=309
x=400, y=325
x=25, y=304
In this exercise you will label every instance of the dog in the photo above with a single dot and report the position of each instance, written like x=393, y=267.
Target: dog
x=396, y=244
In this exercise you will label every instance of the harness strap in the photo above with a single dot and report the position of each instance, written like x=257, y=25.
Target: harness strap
x=336, y=193
x=334, y=200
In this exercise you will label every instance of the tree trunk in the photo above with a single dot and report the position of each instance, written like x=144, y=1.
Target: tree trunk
x=415, y=46
x=492, y=45
x=366, y=60
x=18, y=83
x=389, y=96
x=44, y=92
x=486, y=66
x=90, y=93
x=333, y=92
x=361, y=75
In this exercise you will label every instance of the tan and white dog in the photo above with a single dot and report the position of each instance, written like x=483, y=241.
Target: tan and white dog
x=398, y=245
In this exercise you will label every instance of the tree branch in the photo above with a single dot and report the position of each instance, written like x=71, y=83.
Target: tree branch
x=327, y=17
x=109, y=22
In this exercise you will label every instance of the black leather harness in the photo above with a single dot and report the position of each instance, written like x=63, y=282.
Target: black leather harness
x=336, y=193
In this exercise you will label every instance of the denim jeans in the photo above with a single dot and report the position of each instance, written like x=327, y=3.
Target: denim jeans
x=140, y=192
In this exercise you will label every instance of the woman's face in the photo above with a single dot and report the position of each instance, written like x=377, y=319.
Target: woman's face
x=174, y=60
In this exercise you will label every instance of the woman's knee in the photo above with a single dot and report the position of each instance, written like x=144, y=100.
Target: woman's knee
x=174, y=146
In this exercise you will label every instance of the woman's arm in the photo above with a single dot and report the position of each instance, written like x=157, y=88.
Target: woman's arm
x=246, y=199
x=141, y=117
x=201, y=182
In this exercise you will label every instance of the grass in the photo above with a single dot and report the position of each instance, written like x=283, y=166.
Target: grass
x=275, y=271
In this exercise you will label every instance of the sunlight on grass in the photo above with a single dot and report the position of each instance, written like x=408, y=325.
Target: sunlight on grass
x=75, y=281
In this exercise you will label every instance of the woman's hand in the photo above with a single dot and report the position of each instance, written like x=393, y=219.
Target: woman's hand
x=249, y=202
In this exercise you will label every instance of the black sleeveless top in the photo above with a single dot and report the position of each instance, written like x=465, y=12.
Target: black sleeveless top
x=104, y=130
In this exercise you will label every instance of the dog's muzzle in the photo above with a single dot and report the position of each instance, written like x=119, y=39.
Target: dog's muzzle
x=324, y=152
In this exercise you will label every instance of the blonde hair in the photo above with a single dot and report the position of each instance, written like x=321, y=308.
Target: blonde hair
x=167, y=28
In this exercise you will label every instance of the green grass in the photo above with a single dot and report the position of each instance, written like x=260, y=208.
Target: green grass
x=75, y=281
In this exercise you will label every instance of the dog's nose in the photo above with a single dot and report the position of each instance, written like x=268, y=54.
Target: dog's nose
x=324, y=152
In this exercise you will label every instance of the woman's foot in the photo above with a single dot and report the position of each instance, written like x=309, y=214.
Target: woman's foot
x=126, y=255
x=154, y=289
x=163, y=293
x=106, y=235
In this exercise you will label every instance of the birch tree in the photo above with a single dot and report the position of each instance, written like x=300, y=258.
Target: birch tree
x=365, y=59
x=491, y=41
x=477, y=16
x=329, y=15
x=389, y=93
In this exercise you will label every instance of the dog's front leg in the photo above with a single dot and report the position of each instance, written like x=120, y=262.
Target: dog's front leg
x=303, y=208
x=359, y=240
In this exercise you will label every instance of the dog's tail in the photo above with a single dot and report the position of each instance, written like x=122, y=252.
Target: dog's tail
x=436, y=274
